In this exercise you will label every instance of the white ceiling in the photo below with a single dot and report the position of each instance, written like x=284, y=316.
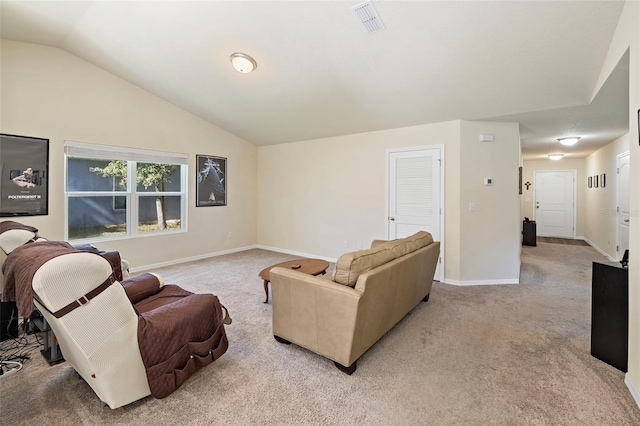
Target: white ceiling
x=320, y=74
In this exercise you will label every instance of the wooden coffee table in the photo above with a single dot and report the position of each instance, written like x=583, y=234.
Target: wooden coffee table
x=307, y=266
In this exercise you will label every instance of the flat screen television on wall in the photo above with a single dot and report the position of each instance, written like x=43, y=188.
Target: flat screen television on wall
x=24, y=176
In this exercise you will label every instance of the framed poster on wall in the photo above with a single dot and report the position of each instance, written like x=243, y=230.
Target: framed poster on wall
x=211, y=181
x=24, y=176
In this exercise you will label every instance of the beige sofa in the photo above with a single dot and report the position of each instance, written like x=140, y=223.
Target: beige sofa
x=369, y=292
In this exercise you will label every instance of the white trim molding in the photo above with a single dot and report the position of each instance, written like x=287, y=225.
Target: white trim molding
x=296, y=253
x=482, y=282
x=223, y=252
x=191, y=259
x=599, y=250
x=634, y=391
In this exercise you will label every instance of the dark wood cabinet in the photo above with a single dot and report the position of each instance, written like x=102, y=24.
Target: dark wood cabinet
x=610, y=313
x=529, y=233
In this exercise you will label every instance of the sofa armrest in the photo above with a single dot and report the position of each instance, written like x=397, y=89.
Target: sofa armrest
x=142, y=286
x=378, y=243
x=314, y=313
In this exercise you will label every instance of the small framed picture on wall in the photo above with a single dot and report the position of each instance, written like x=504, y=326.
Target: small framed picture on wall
x=602, y=180
x=24, y=173
x=595, y=181
x=211, y=181
x=589, y=182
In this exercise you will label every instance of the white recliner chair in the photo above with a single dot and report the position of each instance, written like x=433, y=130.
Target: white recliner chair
x=126, y=339
x=11, y=240
x=99, y=340
x=14, y=238
x=131, y=339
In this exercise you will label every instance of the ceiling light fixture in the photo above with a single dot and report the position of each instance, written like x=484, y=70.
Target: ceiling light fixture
x=569, y=141
x=555, y=157
x=243, y=63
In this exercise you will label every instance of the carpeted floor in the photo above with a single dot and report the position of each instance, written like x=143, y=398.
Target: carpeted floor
x=498, y=355
x=567, y=241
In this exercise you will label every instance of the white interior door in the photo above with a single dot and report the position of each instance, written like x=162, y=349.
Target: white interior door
x=623, y=209
x=554, y=204
x=415, y=194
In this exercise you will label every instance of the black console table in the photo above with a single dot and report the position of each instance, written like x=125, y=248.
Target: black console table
x=610, y=313
x=529, y=233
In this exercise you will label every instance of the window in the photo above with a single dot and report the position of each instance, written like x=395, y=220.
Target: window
x=121, y=192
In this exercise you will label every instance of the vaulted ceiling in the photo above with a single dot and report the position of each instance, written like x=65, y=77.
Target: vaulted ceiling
x=320, y=74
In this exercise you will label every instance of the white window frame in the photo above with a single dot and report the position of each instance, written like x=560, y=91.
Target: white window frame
x=132, y=156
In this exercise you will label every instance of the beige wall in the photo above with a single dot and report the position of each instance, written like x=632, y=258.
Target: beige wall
x=595, y=207
x=577, y=164
x=314, y=195
x=490, y=236
x=48, y=93
x=600, y=213
x=627, y=36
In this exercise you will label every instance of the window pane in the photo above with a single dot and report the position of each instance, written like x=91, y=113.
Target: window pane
x=159, y=213
x=158, y=177
x=91, y=217
x=85, y=174
x=120, y=203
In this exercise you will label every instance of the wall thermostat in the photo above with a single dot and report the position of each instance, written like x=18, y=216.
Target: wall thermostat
x=488, y=181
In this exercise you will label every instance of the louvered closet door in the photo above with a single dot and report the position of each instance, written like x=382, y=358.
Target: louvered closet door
x=414, y=193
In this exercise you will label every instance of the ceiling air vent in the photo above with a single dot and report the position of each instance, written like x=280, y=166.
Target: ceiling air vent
x=368, y=17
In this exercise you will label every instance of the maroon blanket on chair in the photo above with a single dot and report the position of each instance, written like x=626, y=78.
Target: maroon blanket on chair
x=22, y=264
x=178, y=332
x=20, y=267
x=8, y=225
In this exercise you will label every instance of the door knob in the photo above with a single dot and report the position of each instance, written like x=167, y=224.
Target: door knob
x=392, y=219
x=626, y=221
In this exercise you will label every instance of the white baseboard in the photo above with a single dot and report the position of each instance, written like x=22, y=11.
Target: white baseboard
x=191, y=259
x=482, y=282
x=296, y=253
x=599, y=250
x=632, y=389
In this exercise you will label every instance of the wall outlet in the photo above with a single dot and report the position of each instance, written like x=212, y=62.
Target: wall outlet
x=359, y=245
x=472, y=207
x=344, y=244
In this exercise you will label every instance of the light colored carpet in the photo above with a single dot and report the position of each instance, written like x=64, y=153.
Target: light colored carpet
x=567, y=241
x=500, y=355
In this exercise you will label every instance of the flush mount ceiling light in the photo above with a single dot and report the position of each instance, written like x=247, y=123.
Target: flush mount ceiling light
x=569, y=141
x=243, y=63
x=555, y=156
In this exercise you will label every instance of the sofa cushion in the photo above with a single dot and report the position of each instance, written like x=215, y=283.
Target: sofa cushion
x=409, y=244
x=350, y=265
